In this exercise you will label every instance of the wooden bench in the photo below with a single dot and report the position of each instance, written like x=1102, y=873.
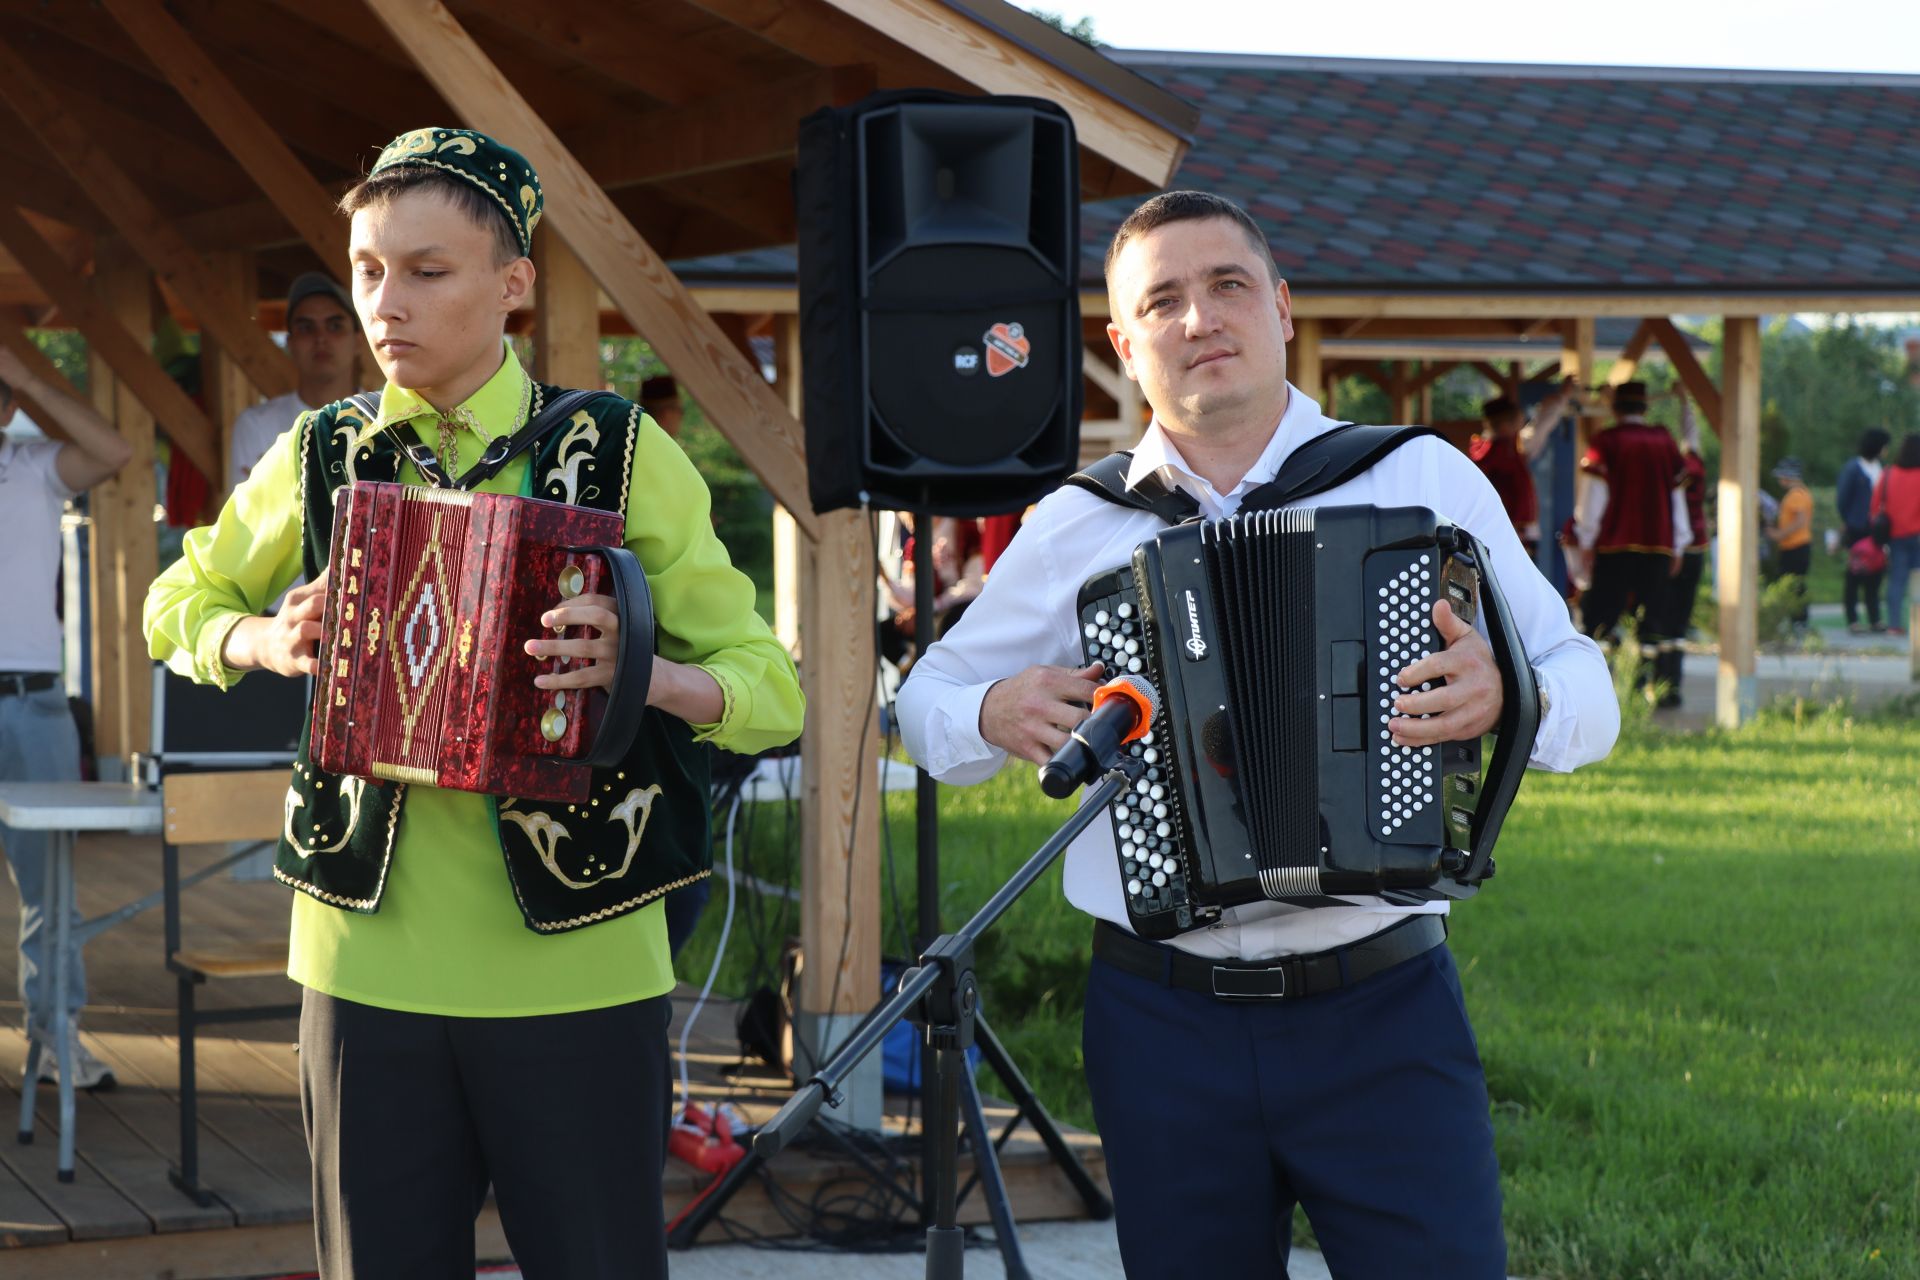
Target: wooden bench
x=214, y=808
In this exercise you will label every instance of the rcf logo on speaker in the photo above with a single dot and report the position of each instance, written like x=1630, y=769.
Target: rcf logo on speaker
x=1007, y=349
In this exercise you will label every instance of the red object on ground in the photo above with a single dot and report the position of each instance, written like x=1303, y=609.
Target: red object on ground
x=705, y=1140
x=424, y=671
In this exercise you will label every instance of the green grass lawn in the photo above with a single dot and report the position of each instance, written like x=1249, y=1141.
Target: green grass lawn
x=1696, y=983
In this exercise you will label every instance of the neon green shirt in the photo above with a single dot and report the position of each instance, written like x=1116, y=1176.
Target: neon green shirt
x=448, y=937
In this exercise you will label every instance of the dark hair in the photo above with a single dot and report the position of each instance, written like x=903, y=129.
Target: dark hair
x=1499, y=407
x=1872, y=441
x=1190, y=206
x=388, y=185
x=1909, y=451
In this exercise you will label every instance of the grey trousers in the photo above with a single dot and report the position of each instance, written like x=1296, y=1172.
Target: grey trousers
x=38, y=743
x=410, y=1116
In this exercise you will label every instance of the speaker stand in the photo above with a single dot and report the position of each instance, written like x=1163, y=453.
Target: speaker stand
x=1027, y=1104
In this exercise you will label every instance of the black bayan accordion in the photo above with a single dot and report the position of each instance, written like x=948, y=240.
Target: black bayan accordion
x=1271, y=773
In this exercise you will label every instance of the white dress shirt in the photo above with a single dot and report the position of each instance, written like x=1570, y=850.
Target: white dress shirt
x=32, y=496
x=1026, y=616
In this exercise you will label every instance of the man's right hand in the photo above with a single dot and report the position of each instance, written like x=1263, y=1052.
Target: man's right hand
x=1029, y=715
x=285, y=642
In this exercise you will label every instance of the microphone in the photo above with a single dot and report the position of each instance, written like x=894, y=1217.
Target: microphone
x=1123, y=709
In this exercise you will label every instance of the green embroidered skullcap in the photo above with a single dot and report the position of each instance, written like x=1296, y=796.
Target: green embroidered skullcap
x=498, y=170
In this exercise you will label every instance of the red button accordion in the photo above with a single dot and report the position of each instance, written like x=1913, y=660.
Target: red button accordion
x=424, y=674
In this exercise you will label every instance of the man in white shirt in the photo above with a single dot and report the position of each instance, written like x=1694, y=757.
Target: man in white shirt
x=1357, y=1094
x=323, y=337
x=38, y=741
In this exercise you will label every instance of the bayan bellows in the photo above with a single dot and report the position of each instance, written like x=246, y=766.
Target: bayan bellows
x=1275, y=641
x=424, y=673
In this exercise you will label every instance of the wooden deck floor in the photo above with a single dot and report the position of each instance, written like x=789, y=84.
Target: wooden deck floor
x=120, y=1217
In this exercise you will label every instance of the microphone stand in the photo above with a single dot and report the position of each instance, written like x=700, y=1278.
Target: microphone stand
x=941, y=996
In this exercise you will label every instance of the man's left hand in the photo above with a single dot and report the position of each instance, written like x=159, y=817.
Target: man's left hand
x=595, y=655
x=1463, y=708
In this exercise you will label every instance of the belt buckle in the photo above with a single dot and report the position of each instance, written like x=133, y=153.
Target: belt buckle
x=1281, y=994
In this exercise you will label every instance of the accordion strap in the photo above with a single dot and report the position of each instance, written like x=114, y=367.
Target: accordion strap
x=499, y=453
x=1325, y=462
x=633, y=668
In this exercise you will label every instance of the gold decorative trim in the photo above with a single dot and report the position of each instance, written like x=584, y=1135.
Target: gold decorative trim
x=331, y=899
x=607, y=913
x=626, y=461
x=404, y=773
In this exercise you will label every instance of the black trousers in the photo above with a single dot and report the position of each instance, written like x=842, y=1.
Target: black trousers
x=1794, y=562
x=411, y=1116
x=1625, y=582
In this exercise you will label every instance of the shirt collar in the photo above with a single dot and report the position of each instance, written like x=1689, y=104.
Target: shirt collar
x=494, y=410
x=1156, y=452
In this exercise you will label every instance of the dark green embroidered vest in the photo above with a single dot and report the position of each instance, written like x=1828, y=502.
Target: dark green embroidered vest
x=643, y=832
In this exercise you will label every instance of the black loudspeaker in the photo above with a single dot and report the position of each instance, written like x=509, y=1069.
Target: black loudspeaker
x=939, y=243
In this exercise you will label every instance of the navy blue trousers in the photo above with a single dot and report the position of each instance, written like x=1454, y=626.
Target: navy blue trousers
x=1366, y=1106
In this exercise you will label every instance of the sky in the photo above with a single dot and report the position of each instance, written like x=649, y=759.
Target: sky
x=1835, y=35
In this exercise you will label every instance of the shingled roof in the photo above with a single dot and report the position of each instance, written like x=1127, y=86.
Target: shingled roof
x=1372, y=175
x=1380, y=176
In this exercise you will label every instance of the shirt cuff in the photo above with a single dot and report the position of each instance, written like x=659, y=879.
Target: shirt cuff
x=1553, y=741
x=730, y=704
x=954, y=740
x=208, y=646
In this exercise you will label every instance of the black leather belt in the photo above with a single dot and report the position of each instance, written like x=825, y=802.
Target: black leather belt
x=13, y=683
x=1285, y=978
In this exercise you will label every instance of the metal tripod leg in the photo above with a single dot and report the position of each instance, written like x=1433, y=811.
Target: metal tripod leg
x=1021, y=1094
x=986, y=1166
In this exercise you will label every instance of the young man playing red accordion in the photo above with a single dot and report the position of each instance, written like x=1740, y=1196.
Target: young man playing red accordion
x=473, y=1014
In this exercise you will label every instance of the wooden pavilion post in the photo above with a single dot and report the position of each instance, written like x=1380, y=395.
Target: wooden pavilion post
x=1304, y=366
x=224, y=388
x=566, y=331
x=840, y=812
x=124, y=551
x=1736, y=697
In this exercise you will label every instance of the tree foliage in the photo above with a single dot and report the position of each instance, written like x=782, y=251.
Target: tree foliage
x=1080, y=29
x=1827, y=384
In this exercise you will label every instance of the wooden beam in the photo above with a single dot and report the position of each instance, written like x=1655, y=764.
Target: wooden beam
x=815, y=32
x=1493, y=374
x=254, y=144
x=1399, y=397
x=566, y=333
x=1000, y=66
x=1431, y=373
x=731, y=128
x=735, y=396
x=1692, y=376
x=1094, y=364
x=1736, y=695
x=285, y=38
x=124, y=352
x=624, y=45
x=1576, y=349
x=125, y=557
x=13, y=336
x=1304, y=368
x=224, y=389
x=144, y=226
x=1629, y=362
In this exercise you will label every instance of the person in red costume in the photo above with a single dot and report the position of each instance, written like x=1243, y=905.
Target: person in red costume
x=1502, y=453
